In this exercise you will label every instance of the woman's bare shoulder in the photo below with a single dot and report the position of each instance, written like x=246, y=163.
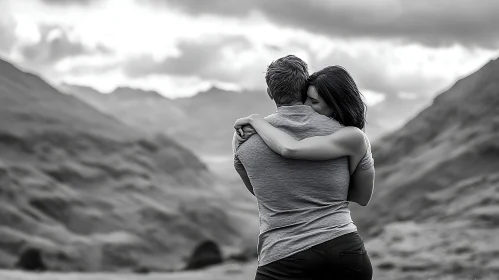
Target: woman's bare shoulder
x=350, y=136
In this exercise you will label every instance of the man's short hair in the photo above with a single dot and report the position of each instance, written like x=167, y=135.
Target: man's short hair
x=287, y=79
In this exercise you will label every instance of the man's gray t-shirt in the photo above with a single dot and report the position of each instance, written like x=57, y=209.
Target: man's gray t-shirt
x=301, y=203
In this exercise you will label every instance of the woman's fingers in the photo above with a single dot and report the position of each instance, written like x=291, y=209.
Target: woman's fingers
x=239, y=138
x=248, y=129
x=241, y=122
x=247, y=120
x=243, y=128
x=244, y=133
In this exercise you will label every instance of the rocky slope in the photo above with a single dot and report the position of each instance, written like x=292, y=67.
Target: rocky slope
x=435, y=209
x=95, y=194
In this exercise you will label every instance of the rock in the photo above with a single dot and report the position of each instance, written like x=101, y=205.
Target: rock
x=142, y=270
x=206, y=254
x=31, y=259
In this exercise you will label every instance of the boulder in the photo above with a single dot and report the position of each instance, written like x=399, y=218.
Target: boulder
x=31, y=259
x=207, y=253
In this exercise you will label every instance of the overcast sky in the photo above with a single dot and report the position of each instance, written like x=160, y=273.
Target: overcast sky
x=393, y=49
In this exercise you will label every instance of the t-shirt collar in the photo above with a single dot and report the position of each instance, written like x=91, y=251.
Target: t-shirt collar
x=295, y=109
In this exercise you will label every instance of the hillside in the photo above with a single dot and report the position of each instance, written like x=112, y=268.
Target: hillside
x=434, y=212
x=96, y=194
x=203, y=123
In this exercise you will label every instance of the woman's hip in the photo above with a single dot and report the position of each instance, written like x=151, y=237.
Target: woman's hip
x=343, y=257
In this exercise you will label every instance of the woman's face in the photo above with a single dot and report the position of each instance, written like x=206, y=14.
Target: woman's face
x=317, y=103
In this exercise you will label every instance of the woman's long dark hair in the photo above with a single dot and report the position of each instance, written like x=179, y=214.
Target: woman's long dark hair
x=337, y=88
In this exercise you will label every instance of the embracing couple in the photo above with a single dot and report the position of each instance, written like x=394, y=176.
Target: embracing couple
x=304, y=164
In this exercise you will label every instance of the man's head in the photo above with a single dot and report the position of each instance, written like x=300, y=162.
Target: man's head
x=287, y=80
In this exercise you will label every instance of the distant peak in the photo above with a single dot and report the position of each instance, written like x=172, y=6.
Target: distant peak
x=462, y=89
x=494, y=61
x=77, y=89
x=136, y=93
x=5, y=62
x=214, y=90
x=64, y=84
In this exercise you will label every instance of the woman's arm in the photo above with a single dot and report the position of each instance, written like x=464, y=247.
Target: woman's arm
x=362, y=180
x=361, y=186
x=348, y=141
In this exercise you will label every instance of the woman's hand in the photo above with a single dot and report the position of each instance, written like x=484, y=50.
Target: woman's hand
x=246, y=121
x=243, y=127
x=246, y=133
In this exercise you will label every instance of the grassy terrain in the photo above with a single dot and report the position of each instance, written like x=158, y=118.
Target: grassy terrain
x=222, y=272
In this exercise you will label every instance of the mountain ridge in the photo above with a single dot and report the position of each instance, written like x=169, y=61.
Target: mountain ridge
x=437, y=177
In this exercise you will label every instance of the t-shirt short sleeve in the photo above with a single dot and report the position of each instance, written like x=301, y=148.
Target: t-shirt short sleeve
x=235, y=146
x=367, y=161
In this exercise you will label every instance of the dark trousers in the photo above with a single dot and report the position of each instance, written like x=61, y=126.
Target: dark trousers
x=342, y=258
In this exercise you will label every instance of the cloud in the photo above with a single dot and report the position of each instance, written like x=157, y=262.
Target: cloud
x=233, y=59
x=7, y=27
x=56, y=45
x=426, y=22
x=7, y=39
x=69, y=2
x=221, y=58
x=374, y=71
x=393, y=92
x=85, y=69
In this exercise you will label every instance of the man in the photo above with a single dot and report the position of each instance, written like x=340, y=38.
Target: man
x=302, y=204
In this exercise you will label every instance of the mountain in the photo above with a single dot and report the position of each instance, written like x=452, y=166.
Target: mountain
x=93, y=193
x=203, y=123
x=434, y=212
x=131, y=93
x=147, y=111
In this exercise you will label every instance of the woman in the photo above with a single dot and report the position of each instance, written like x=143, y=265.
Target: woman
x=333, y=93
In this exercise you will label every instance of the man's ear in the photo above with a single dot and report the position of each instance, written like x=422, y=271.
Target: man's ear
x=270, y=94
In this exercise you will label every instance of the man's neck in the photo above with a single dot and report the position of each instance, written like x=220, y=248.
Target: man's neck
x=290, y=104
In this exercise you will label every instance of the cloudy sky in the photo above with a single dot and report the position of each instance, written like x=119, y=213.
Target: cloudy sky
x=409, y=50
